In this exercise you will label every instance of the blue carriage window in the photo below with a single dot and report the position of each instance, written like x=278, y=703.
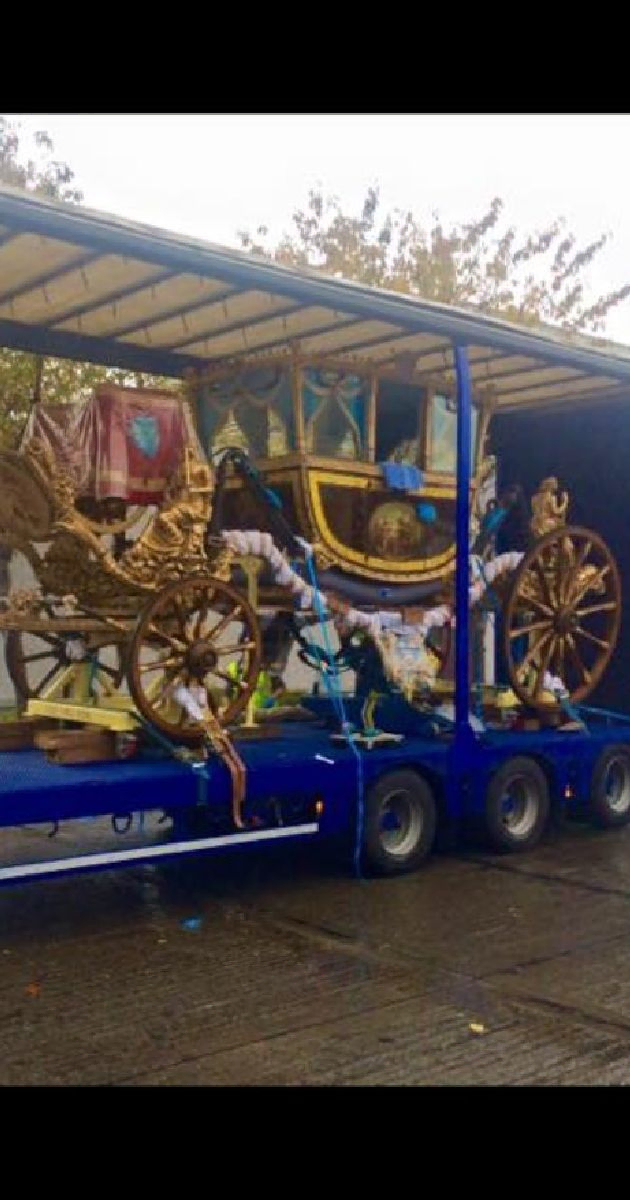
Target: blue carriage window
x=442, y=440
x=398, y=423
x=335, y=414
x=253, y=411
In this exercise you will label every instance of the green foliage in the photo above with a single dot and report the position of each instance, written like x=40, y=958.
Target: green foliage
x=57, y=381
x=541, y=277
x=44, y=175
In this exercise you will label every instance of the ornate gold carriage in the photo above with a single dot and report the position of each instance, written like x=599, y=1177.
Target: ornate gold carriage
x=148, y=600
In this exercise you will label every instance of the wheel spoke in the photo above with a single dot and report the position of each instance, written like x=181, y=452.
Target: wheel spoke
x=577, y=566
x=182, y=617
x=159, y=664
x=202, y=615
x=526, y=602
x=224, y=622
x=42, y=683
x=558, y=662
x=166, y=637
x=585, y=674
x=524, y=630
x=544, y=664
x=534, y=650
x=29, y=658
x=52, y=640
x=169, y=679
x=221, y=650
x=544, y=583
x=565, y=568
x=608, y=606
x=590, y=637
x=228, y=678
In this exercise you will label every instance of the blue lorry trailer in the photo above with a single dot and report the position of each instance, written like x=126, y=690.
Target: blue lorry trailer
x=305, y=780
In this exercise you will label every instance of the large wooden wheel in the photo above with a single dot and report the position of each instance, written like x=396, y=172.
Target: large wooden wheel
x=562, y=615
x=36, y=658
x=200, y=633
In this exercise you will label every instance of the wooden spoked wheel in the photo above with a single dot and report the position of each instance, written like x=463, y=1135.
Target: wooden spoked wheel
x=35, y=658
x=200, y=633
x=562, y=615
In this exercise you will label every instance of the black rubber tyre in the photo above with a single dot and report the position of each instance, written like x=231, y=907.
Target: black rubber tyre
x=609, y=802
x=399, y=823
x=517, y=805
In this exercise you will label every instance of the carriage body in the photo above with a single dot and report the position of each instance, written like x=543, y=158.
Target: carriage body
x=364, y=466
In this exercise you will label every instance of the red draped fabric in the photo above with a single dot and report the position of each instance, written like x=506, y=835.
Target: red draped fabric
x=122, y=442
x=140, y=437
x=68, y=431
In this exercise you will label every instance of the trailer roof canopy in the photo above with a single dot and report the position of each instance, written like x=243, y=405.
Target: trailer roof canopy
x=87, y=286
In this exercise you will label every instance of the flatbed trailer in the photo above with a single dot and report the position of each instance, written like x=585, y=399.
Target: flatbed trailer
x=299, y=786
x=302, y=782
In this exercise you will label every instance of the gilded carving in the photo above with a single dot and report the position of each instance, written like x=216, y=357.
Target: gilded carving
x=549, y=508
x=37, y=502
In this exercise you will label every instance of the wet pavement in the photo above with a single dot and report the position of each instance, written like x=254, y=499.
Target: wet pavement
x=278, y=967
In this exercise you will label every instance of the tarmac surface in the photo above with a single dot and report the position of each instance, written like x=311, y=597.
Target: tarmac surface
x=278, y=967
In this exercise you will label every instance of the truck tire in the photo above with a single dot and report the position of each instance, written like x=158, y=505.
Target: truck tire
x=517, y=805
x=609, y=801
x=399, y=823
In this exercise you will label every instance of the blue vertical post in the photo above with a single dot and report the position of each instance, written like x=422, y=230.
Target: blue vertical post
x=462, y=621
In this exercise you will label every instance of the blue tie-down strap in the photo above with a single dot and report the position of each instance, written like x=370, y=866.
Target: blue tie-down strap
x=335, y=692
x=273, y=498
x=401, y=477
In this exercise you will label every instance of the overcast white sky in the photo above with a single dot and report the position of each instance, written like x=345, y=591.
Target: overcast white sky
x=209, y=176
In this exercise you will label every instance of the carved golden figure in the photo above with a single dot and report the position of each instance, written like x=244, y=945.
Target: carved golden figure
x=549, y=508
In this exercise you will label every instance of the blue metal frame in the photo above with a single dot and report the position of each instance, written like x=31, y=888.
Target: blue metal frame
x=462, y=604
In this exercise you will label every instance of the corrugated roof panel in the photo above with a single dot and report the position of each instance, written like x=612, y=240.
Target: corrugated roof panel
x=490, y=365
x=584, y=385
x=29, y=257
x=237, y=310
x=87, y=284
x=404, y=343
x=274, y=332
x=145, y=306
x=530, y=377
x=356, y=333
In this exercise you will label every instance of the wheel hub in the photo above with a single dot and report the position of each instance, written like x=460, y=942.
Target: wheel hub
x=201, y=658
x=565, y=622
